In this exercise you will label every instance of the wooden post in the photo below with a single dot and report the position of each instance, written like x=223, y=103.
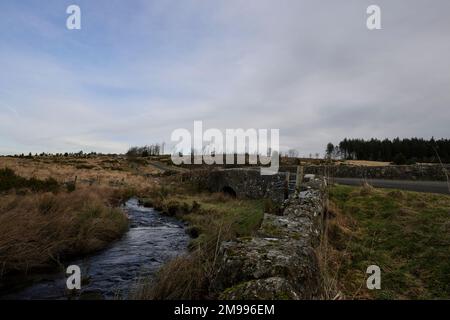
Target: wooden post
x=286, y=187
x=298, y=179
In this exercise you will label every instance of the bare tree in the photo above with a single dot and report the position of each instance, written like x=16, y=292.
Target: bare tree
x=292, y=153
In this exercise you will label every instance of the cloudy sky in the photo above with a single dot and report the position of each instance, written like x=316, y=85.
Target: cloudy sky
x=137, y=70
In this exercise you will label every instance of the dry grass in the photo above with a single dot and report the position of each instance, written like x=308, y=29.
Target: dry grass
x=332, y=252
x=186, y=277
x=100, y=171
x=37, y=230
x=181, y=278
x=366, y=189
x=366, y=163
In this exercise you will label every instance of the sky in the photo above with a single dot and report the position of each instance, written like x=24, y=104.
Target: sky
x=139, y=69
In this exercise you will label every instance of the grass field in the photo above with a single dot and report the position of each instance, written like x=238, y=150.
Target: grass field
x=407, y=234
x=100, y=170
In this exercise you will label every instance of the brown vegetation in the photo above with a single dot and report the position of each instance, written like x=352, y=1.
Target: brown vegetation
x=38, y=230
x=366, y=163
x=101, y=170
x=55, y=208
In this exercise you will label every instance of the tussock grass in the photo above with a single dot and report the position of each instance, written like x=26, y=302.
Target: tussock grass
x=332, y=252
x=10, y=180
x=41, y=224
x=98, y=171
x=405, y=233
x=181, y=278
x=38, y=230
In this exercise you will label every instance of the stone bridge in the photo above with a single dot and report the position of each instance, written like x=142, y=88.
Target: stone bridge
x=249, y=183
x=279, y=261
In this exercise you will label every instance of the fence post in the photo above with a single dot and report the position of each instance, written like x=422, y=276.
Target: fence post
x=286, y=187
x=298, y=179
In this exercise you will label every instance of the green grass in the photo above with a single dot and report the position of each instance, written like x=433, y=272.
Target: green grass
x=407, y=234
x=243, y=215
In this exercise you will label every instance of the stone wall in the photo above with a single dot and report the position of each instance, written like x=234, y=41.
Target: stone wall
x=406, y=172
x=280, y=261
x=245, y=182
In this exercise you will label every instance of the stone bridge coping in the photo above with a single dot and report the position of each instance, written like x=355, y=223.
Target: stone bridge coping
x=249, y=183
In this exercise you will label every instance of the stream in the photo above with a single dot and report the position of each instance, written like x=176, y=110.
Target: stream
x=151, y=240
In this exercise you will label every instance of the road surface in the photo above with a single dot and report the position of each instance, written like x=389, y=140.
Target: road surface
x=420, y=186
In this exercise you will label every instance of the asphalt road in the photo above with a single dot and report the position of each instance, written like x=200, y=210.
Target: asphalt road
x=420, y=186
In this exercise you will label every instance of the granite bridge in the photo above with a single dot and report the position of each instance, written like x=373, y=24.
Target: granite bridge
x=279, y=261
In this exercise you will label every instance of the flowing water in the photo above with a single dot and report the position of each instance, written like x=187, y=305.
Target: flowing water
x=152, y=240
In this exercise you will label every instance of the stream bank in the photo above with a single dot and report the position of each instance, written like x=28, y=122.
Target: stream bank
x=151, y=241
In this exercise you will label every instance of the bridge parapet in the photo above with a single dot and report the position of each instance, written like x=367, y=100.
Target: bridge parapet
x=280, y=261
x=248, y=183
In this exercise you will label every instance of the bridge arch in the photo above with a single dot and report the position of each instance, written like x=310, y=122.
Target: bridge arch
x=229, y=191
x=246, y=183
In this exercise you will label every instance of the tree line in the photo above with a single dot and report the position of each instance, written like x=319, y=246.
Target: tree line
x=398, y=151
x=79, y=154
x=146, y=151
